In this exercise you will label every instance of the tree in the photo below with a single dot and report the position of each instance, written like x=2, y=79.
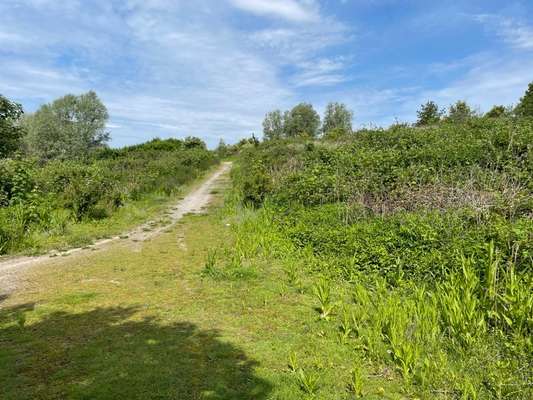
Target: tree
x=70, y=127
x=222, y=149
x=429, y=114
x=338, y=119
x=10, y=130
x=273, y=125
x=460, y=112
x=191, y=142
x=497, y=112
x=525, y=106
x=302, y=120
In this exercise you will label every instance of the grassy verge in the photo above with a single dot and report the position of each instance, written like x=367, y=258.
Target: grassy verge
x=375, y=337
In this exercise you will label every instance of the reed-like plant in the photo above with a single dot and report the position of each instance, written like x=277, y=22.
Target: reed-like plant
x=356, y=384
x=309, y=382
x=322, y=291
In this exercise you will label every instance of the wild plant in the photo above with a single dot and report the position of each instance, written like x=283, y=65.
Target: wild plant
x=345, y=327
x=322, y=291
x=356, y=384
x=361, y=295
x=404, y=350
x=291, y=270
x=508, y=296
x=468, y=390
x=293, y=362
x=210, y=267
x=516, y=300
x=459, y=305
x=309, y=381
x=426, y=313
x=235, y=262
x=425, y=371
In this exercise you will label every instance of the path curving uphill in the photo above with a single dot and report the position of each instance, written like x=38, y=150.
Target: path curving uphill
x=193, y=203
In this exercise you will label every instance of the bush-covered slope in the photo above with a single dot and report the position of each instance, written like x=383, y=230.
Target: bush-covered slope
x=409, y=196
x=418, y=243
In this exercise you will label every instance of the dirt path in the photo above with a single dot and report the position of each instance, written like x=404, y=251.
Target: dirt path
x=194, y=202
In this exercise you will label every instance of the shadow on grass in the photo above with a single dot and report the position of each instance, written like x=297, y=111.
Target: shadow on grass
x=102, y=354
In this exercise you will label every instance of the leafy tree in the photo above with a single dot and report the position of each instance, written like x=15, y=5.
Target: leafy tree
x=525, y=106
x=70, y=127
x=460, y=112
x=302, y=120
x=191, y=142
x=223, y=150
x=10, y=129
x=337, y=118
x=497, y=112
x=428, y=114
x=273, y=125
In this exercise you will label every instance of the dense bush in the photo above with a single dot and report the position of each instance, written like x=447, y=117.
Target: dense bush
x=45, y=197
x=415, y=197
x=418, y=243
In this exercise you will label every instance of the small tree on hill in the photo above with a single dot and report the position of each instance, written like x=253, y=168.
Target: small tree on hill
x=10, y=129
x=302, y=120
x=497, y=112
x=192, y=142
x=222, y=149
x=273, y=125
x=338, y=119
x=69, y=127
x=460, y=112
x=429, y=114
x=525, y=106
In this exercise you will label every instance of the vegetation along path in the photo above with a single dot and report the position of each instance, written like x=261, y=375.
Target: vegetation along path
x=12, y=267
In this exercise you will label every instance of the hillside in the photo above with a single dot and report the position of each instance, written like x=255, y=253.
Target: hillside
x=416, y=244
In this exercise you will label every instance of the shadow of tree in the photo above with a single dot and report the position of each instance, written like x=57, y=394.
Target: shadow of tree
x=105, y=354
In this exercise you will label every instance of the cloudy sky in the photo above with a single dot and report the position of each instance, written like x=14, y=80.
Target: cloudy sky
x=213, y=68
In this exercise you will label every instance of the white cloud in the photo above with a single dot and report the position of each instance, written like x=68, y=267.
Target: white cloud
x=517, y=33
x=161, y=69
x=494, y=82
x=320, y=72
x=303, y=11
x=294, y=44
x=302, y=48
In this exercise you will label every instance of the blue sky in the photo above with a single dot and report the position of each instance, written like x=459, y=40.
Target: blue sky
x=213, y=68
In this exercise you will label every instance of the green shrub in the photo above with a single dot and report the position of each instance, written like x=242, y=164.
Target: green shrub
x=431, y=230
x=56, y=193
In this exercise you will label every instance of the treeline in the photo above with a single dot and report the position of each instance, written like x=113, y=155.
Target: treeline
x=303, y=121
x=56, y=170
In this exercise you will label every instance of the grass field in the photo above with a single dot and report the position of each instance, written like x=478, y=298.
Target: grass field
x=145, y=321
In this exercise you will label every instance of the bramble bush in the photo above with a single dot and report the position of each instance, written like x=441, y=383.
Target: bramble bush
x=47, y=197
x=430, y=228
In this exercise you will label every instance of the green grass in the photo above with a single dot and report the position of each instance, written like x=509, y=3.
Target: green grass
x=142, y=322
x=221, y=307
